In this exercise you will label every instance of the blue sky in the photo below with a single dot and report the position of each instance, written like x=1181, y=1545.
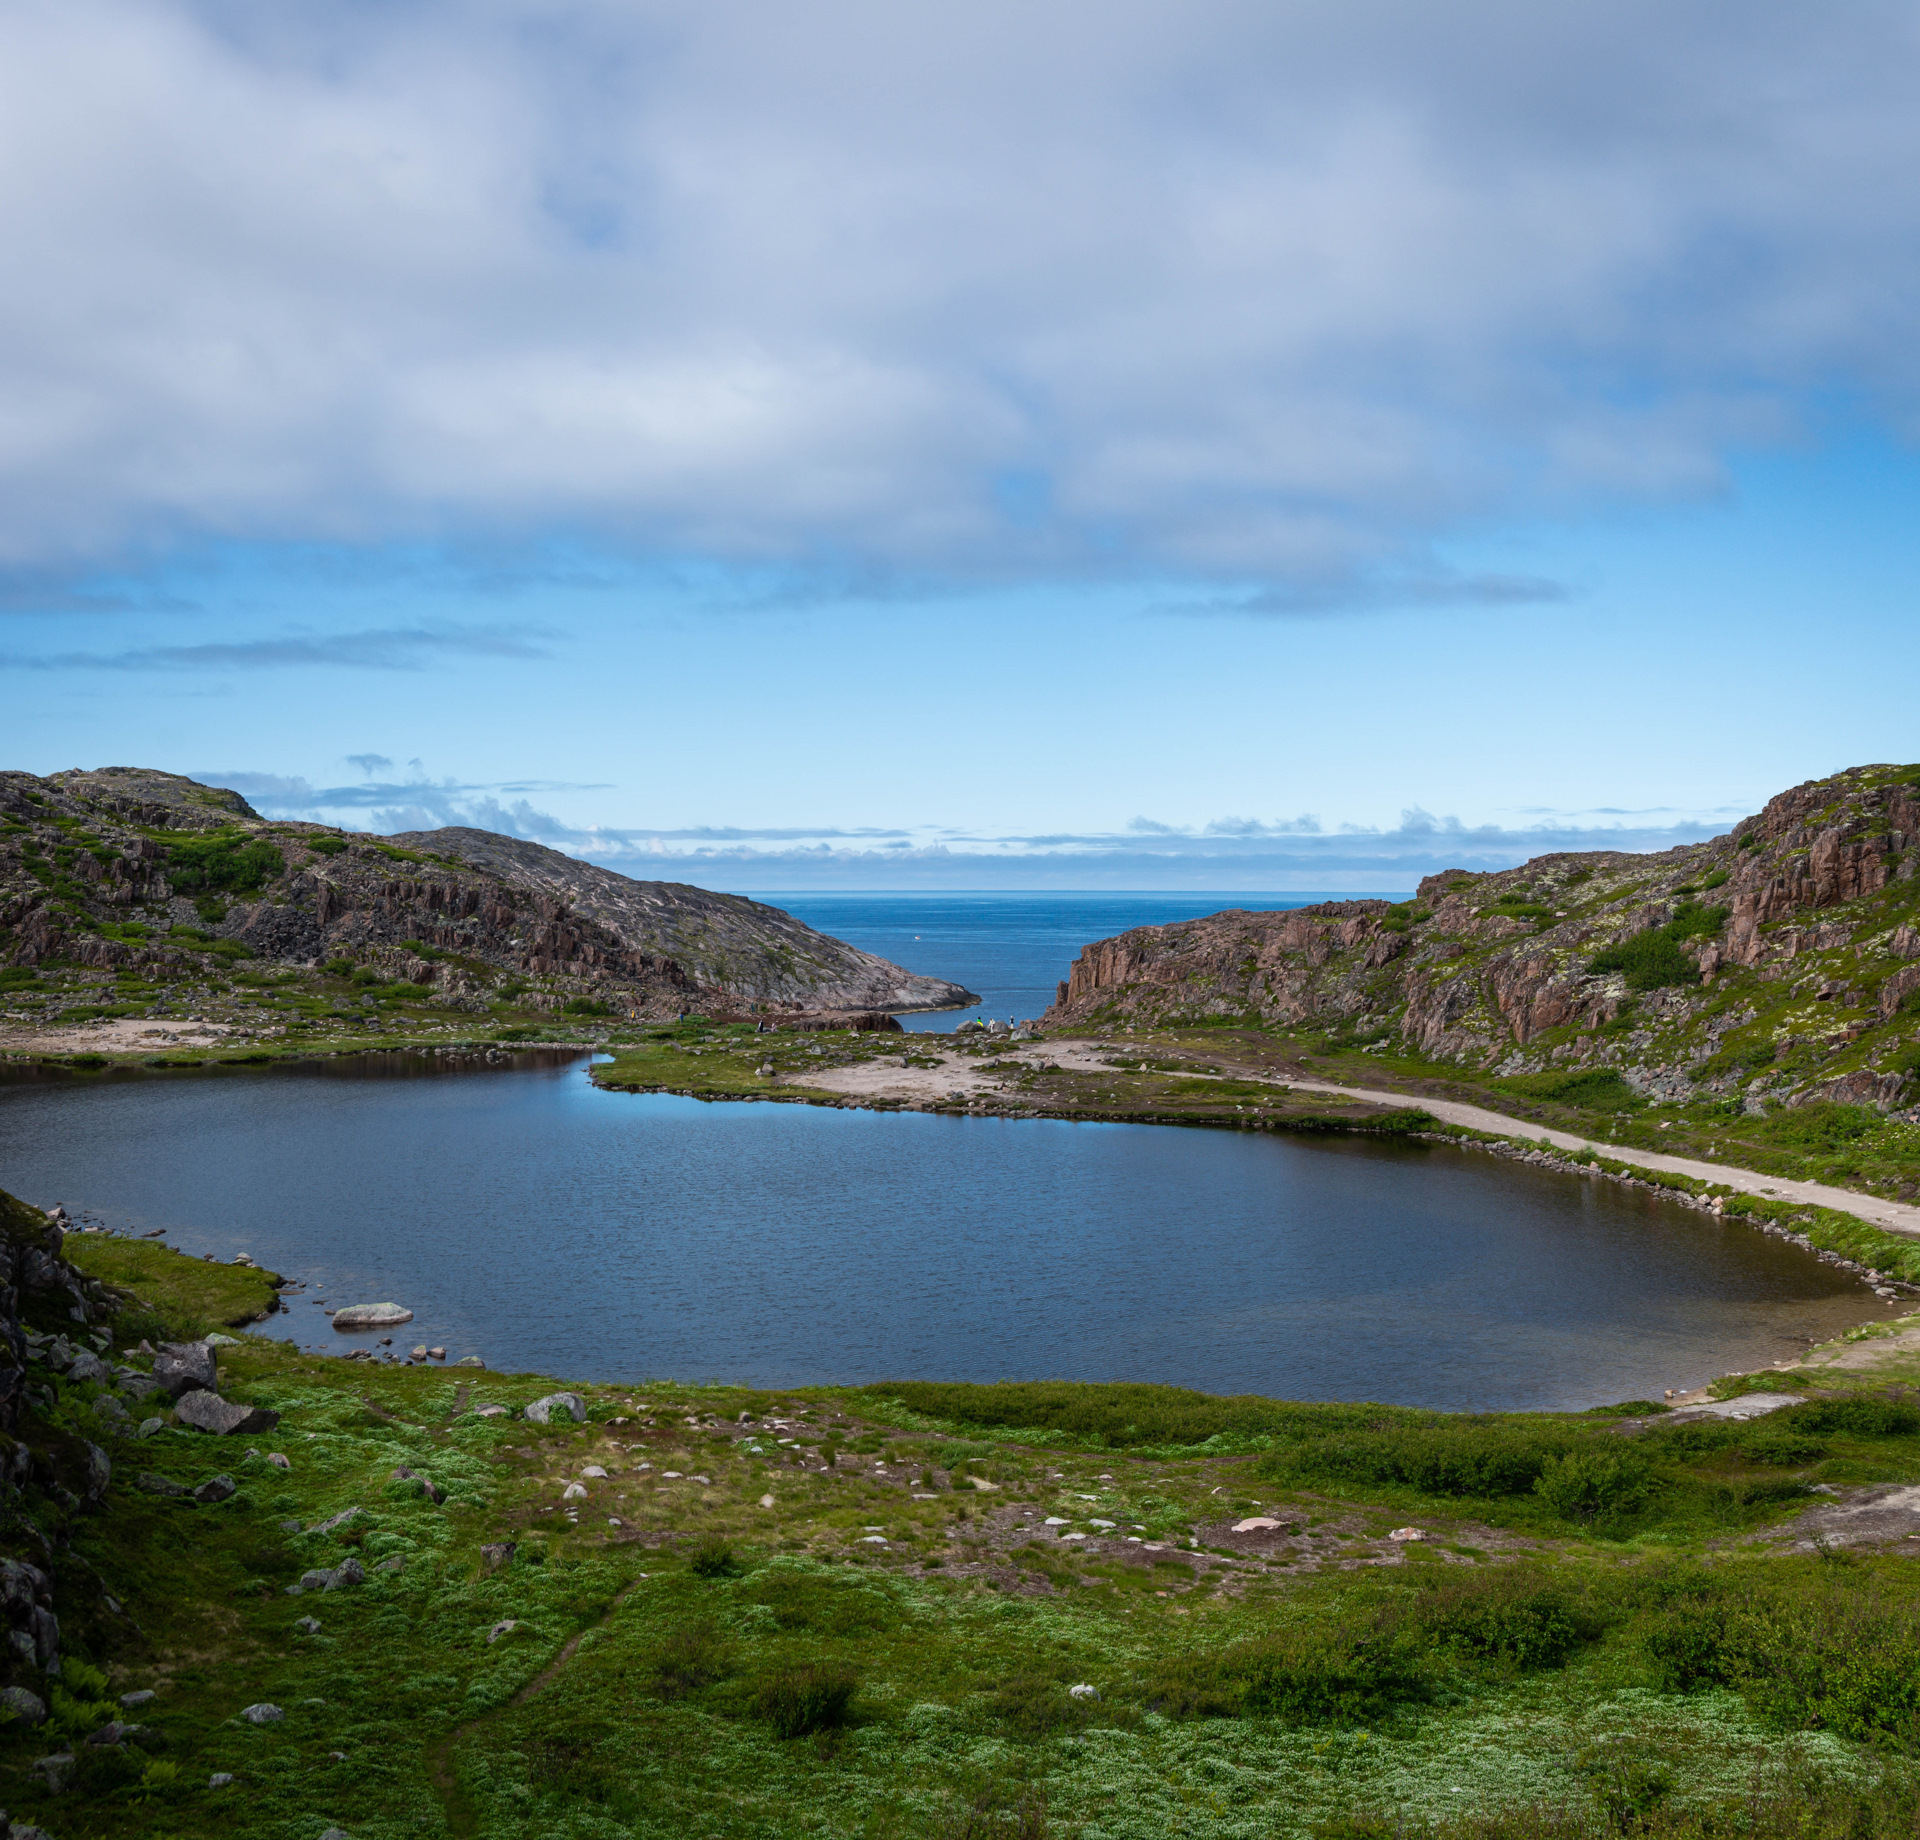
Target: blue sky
x=1294, y=447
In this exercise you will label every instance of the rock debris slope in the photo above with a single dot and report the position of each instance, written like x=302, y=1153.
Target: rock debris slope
x=130, y=869
x=1780, y=961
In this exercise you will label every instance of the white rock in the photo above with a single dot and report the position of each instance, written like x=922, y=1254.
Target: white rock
x=766, y=1501
x=1107, y=1526
x=1084, y=1691
x=573, y=1492
x=1073, y=1536
x=1407, y=1533
x=262, y=1714
x=594, y=1469
x=873, y=1539
x=505, y=1626
x=371, y=1316
x=219, y=1779
x=1256, y=1523
x=1056, y=1520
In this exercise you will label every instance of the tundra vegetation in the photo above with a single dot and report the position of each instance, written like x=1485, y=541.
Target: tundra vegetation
x=923, y=1609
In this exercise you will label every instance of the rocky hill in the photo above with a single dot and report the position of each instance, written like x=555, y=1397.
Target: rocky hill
x=129, y=870
x=1780, y=961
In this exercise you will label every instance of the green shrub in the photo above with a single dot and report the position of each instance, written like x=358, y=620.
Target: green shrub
x=1034, y=1706
x=588, y=1006
x=1824, y=1125
x=1867, y=1415
x=798, y=1700
x=325, y=846
x=1323, y=1675
x=1512, y=1616
x=1596, y=1485
x=1469, y=1458
x=226, y=861
x=689, y=1658
x=1653, y=960
x=714, y=1558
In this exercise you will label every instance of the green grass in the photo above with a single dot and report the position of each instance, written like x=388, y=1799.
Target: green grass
x=195, y=1294
x=716, y=1666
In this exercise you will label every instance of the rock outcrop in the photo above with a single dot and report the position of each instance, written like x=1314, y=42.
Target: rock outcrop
x=1782, y=959
x=125, y=869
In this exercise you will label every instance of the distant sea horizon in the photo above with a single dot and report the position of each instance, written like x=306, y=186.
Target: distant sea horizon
x=1011, y=947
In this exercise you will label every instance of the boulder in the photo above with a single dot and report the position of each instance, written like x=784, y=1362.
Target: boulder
x=216, y=1488
x=129, y=1701
x=206, y=1411
x=89, y=1366
x=498, y=1555
x=347, y=1572
x=469, y=1360
x=428, y=1487
x=184, y=1367
x=541, y=1411
x=151, y=1484
x=371, y=1316
x=338, y=1520
x=310, y=1624
x=18, y=1703
x=262, y=1714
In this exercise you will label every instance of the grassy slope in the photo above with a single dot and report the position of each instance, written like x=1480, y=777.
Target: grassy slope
x=633, y=1694
x=226, y=1296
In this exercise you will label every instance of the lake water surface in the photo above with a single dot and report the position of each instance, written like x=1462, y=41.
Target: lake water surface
x=525, y=1217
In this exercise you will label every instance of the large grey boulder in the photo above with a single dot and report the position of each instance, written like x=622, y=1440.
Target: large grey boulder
x=148, y=1483
x=27, y=1707
x=262, y=1714
x=542, y=1410
x=371, y=1316
x=89, y=1366
x=223, y=1417
x=184, y=1367
x=216, y=1488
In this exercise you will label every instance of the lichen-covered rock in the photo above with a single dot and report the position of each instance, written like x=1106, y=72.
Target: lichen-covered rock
x=222, y=1417
x=184, y=1367
x=542, y=1410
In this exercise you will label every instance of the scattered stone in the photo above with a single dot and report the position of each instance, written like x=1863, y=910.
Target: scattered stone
x=216, y=1488
x=54, y=1770
x=1083, y=1691
x=1405, y=1534
x=184, y=1367
x=766, y=1501
x=490, y=1411
x=208, y=1412
x=336, y=1833
x=158, y=1485
x=873, y=1539
x=339, y=1520
x=109, y=1407
x=1056, y=1520
x=138, y=1387
x=436, y=1354
x=219, y=1779
x=130, y=1700
x=148, y=1426
x=573, y=1492
x=349, y=1571
x=112, y=1733
x=1104, y=1526
x=469, y=1360
x=1254, y=1523
x=594, y=1469
x=541, y=1411
x=310, y=1624
x=371, y=1316
x=428, y=1487
x=28, y=1707
x=220, y=1341
x=505, y=1626
x=497, y=1555
x=279, y=1460
x=262, y=1714
x=87, y=1366
x=395, y=1564
x=418, y=1351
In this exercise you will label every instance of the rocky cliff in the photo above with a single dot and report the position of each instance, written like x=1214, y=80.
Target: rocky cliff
x=134, y=871
x=1781, y=960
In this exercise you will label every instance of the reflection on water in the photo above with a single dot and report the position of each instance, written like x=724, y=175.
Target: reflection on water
x=525, y=1217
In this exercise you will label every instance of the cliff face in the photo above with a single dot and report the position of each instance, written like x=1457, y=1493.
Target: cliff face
x=1782, y=958
x=121, y=868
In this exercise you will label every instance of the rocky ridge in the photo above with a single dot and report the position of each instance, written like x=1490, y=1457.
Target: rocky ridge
x=1780, y=961
x=130, y=870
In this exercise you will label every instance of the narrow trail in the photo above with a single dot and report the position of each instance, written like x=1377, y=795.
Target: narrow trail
x=462, y=1817
x=1895, y=1216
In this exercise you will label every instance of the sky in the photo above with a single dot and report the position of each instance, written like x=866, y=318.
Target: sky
x=1258, y=447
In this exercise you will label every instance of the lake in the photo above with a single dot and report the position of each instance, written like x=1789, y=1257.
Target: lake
x=526, y=1217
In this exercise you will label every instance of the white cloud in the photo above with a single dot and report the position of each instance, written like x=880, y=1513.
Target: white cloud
x=1270, y=296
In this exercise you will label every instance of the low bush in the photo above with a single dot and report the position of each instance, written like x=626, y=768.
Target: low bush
x=1824, y=1125
x=1037, y=1706
x=1596, y=1485
x=1463, y=1458
x=689, y=1658
x=1595, y=1088
x=1512, y=1616
x=1653, y=960
x=588, y=1006
x=1345, y=1673
x=225, y=862
x=714, y=1558
x=796, y=1701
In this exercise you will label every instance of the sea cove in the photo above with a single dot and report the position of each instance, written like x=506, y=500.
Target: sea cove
x=526, y=1217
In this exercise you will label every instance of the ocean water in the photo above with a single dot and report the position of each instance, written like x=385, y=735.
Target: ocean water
x=1010, y=949
x=549, y=1227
